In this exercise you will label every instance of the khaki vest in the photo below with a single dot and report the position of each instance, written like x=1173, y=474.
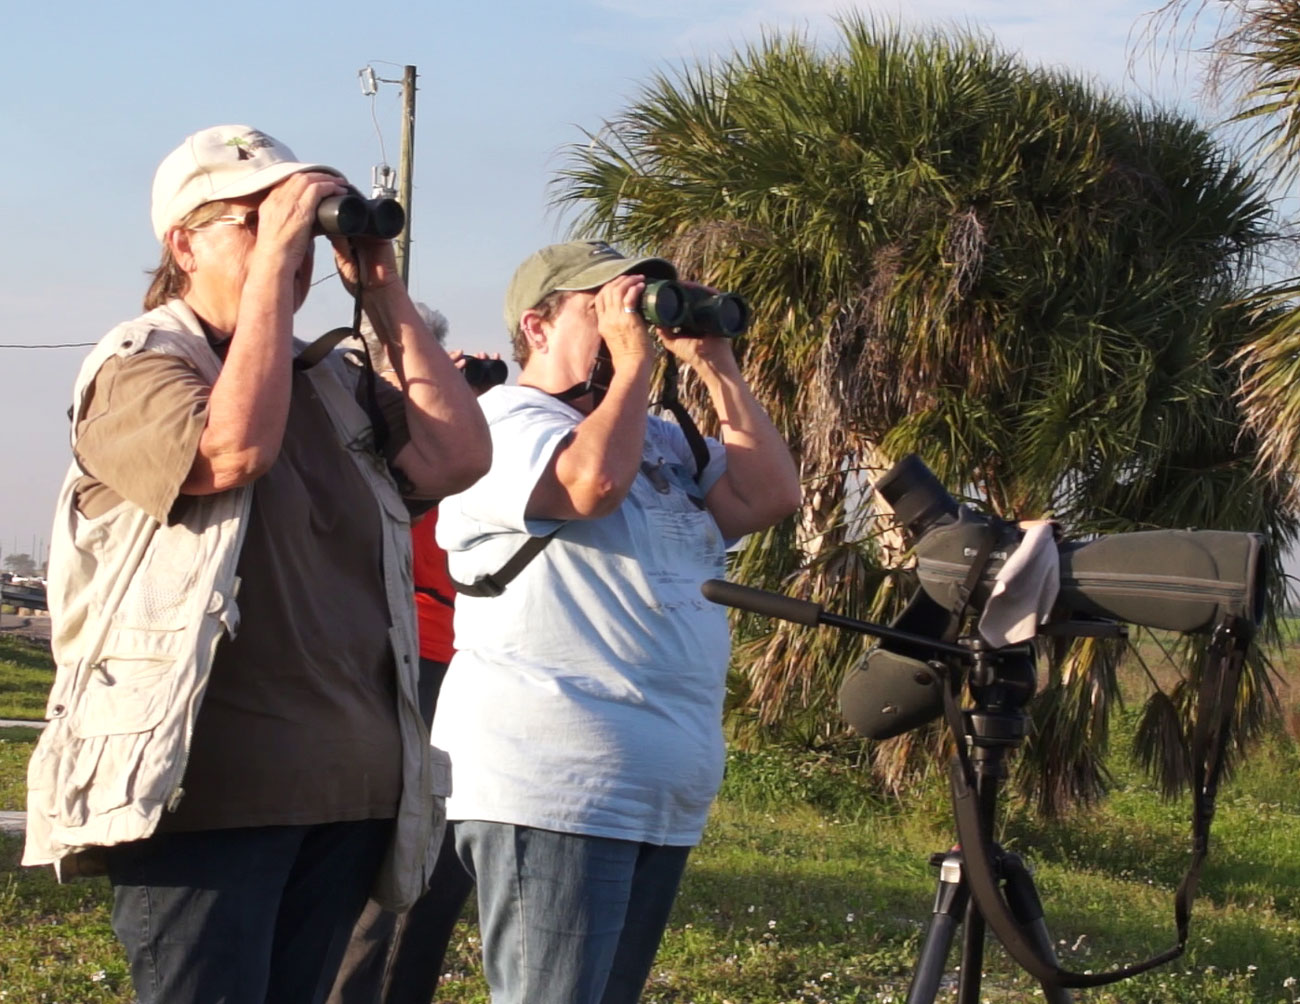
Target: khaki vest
x=137, y=608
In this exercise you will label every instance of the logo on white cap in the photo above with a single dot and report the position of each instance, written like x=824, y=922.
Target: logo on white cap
x=246, y=145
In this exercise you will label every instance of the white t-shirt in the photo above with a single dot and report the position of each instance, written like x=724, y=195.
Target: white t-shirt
x=588, y=697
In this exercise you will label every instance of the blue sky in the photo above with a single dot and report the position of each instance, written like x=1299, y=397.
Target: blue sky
x=96, y=94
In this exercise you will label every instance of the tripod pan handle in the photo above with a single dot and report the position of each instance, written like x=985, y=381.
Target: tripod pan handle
x=760, y=601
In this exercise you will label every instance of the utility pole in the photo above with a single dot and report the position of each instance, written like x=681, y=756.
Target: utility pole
x=405, y=170
x=382, y=175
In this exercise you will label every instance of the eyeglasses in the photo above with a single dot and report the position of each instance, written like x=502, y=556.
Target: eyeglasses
x=248, y=221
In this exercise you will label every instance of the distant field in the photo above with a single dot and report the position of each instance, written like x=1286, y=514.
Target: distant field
x=1154, y=649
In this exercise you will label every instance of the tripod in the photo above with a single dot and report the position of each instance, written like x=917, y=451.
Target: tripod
x=1001, y=683
x=893, y=690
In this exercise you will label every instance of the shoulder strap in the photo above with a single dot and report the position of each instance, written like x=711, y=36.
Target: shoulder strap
x=494, y=583
x=1215, y=704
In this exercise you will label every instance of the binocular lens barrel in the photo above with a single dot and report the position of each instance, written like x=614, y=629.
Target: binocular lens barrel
x=353, y=216
x=725, y=313
x=664, y=303
x=343, y=215
x=387, y=217
x=693, y=312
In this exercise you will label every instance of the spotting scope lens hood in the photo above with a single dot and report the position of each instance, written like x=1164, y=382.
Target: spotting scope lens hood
x=919, y=501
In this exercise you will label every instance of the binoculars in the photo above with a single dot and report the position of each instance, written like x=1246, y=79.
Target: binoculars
x=693, y=312
x=355, y=216
x=482, y=374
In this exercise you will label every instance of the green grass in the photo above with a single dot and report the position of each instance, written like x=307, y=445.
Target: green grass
x=805, y=893
x=812, y=887
x=56, y=944
x=26, y=672
x=15, y=750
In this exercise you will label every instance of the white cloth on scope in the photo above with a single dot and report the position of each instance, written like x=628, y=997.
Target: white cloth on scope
x=1024, y=590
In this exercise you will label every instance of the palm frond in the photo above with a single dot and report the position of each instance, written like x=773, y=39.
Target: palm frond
x=1044, y=289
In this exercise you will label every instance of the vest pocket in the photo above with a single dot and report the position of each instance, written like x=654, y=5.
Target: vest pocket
x=162, y=592
x=112, y=725
x=123, y=696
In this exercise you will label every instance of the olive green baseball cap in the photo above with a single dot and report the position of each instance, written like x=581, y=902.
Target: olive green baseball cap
x=572, y=265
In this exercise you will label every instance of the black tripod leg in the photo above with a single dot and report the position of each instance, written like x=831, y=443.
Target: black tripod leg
x=949, y=903
x=1027, y=908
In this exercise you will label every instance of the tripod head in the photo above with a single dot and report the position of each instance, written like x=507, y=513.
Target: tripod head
x=898, y=684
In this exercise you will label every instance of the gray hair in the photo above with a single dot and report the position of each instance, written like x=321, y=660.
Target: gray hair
x=434, y=320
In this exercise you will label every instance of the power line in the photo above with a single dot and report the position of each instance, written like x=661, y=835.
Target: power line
x=56, y=345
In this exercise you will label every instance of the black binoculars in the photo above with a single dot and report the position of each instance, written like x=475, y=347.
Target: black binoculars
x=355, y=216
x=692, y=311
x=482, y=374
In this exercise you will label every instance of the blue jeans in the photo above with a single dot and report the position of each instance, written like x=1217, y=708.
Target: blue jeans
x=567, y=918
x=253, y=915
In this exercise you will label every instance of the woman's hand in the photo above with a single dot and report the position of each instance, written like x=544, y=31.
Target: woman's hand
x=619, y=320
x=375, y=266
x=287, y=216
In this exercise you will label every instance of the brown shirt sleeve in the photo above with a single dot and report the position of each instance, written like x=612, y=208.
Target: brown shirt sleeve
x=139, y=433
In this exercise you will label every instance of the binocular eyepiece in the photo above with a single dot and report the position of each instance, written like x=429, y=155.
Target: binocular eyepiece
x=481, y=374
x=693, y=312
x=354, y=216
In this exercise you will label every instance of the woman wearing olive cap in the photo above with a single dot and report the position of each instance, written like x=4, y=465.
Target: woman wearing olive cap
x=235, y=734
x=582, y=710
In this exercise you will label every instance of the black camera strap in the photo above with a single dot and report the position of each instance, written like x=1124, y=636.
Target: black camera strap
x=494, y=583
x=1215, y=703
x=328, y=342
x=669, y=399
x=597, y=382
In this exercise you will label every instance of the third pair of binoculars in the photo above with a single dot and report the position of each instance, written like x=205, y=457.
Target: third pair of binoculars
x=692, y=311
x=353, y=215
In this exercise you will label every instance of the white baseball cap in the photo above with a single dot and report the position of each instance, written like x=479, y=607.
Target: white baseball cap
x=222, y=162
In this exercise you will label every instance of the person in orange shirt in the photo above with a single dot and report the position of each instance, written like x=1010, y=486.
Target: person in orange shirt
x=397, y=958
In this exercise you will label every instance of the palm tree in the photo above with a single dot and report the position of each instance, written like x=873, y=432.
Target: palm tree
x=1255, y=69
x=1024, y=280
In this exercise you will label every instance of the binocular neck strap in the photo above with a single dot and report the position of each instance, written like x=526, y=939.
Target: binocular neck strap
x=669, y=399
x=326, y=344
x=597, y=382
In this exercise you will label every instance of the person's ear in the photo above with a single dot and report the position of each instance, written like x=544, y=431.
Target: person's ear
x=531, y=325
x=179, y=242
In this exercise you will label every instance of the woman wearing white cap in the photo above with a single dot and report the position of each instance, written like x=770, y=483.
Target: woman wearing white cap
x=234, y=729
